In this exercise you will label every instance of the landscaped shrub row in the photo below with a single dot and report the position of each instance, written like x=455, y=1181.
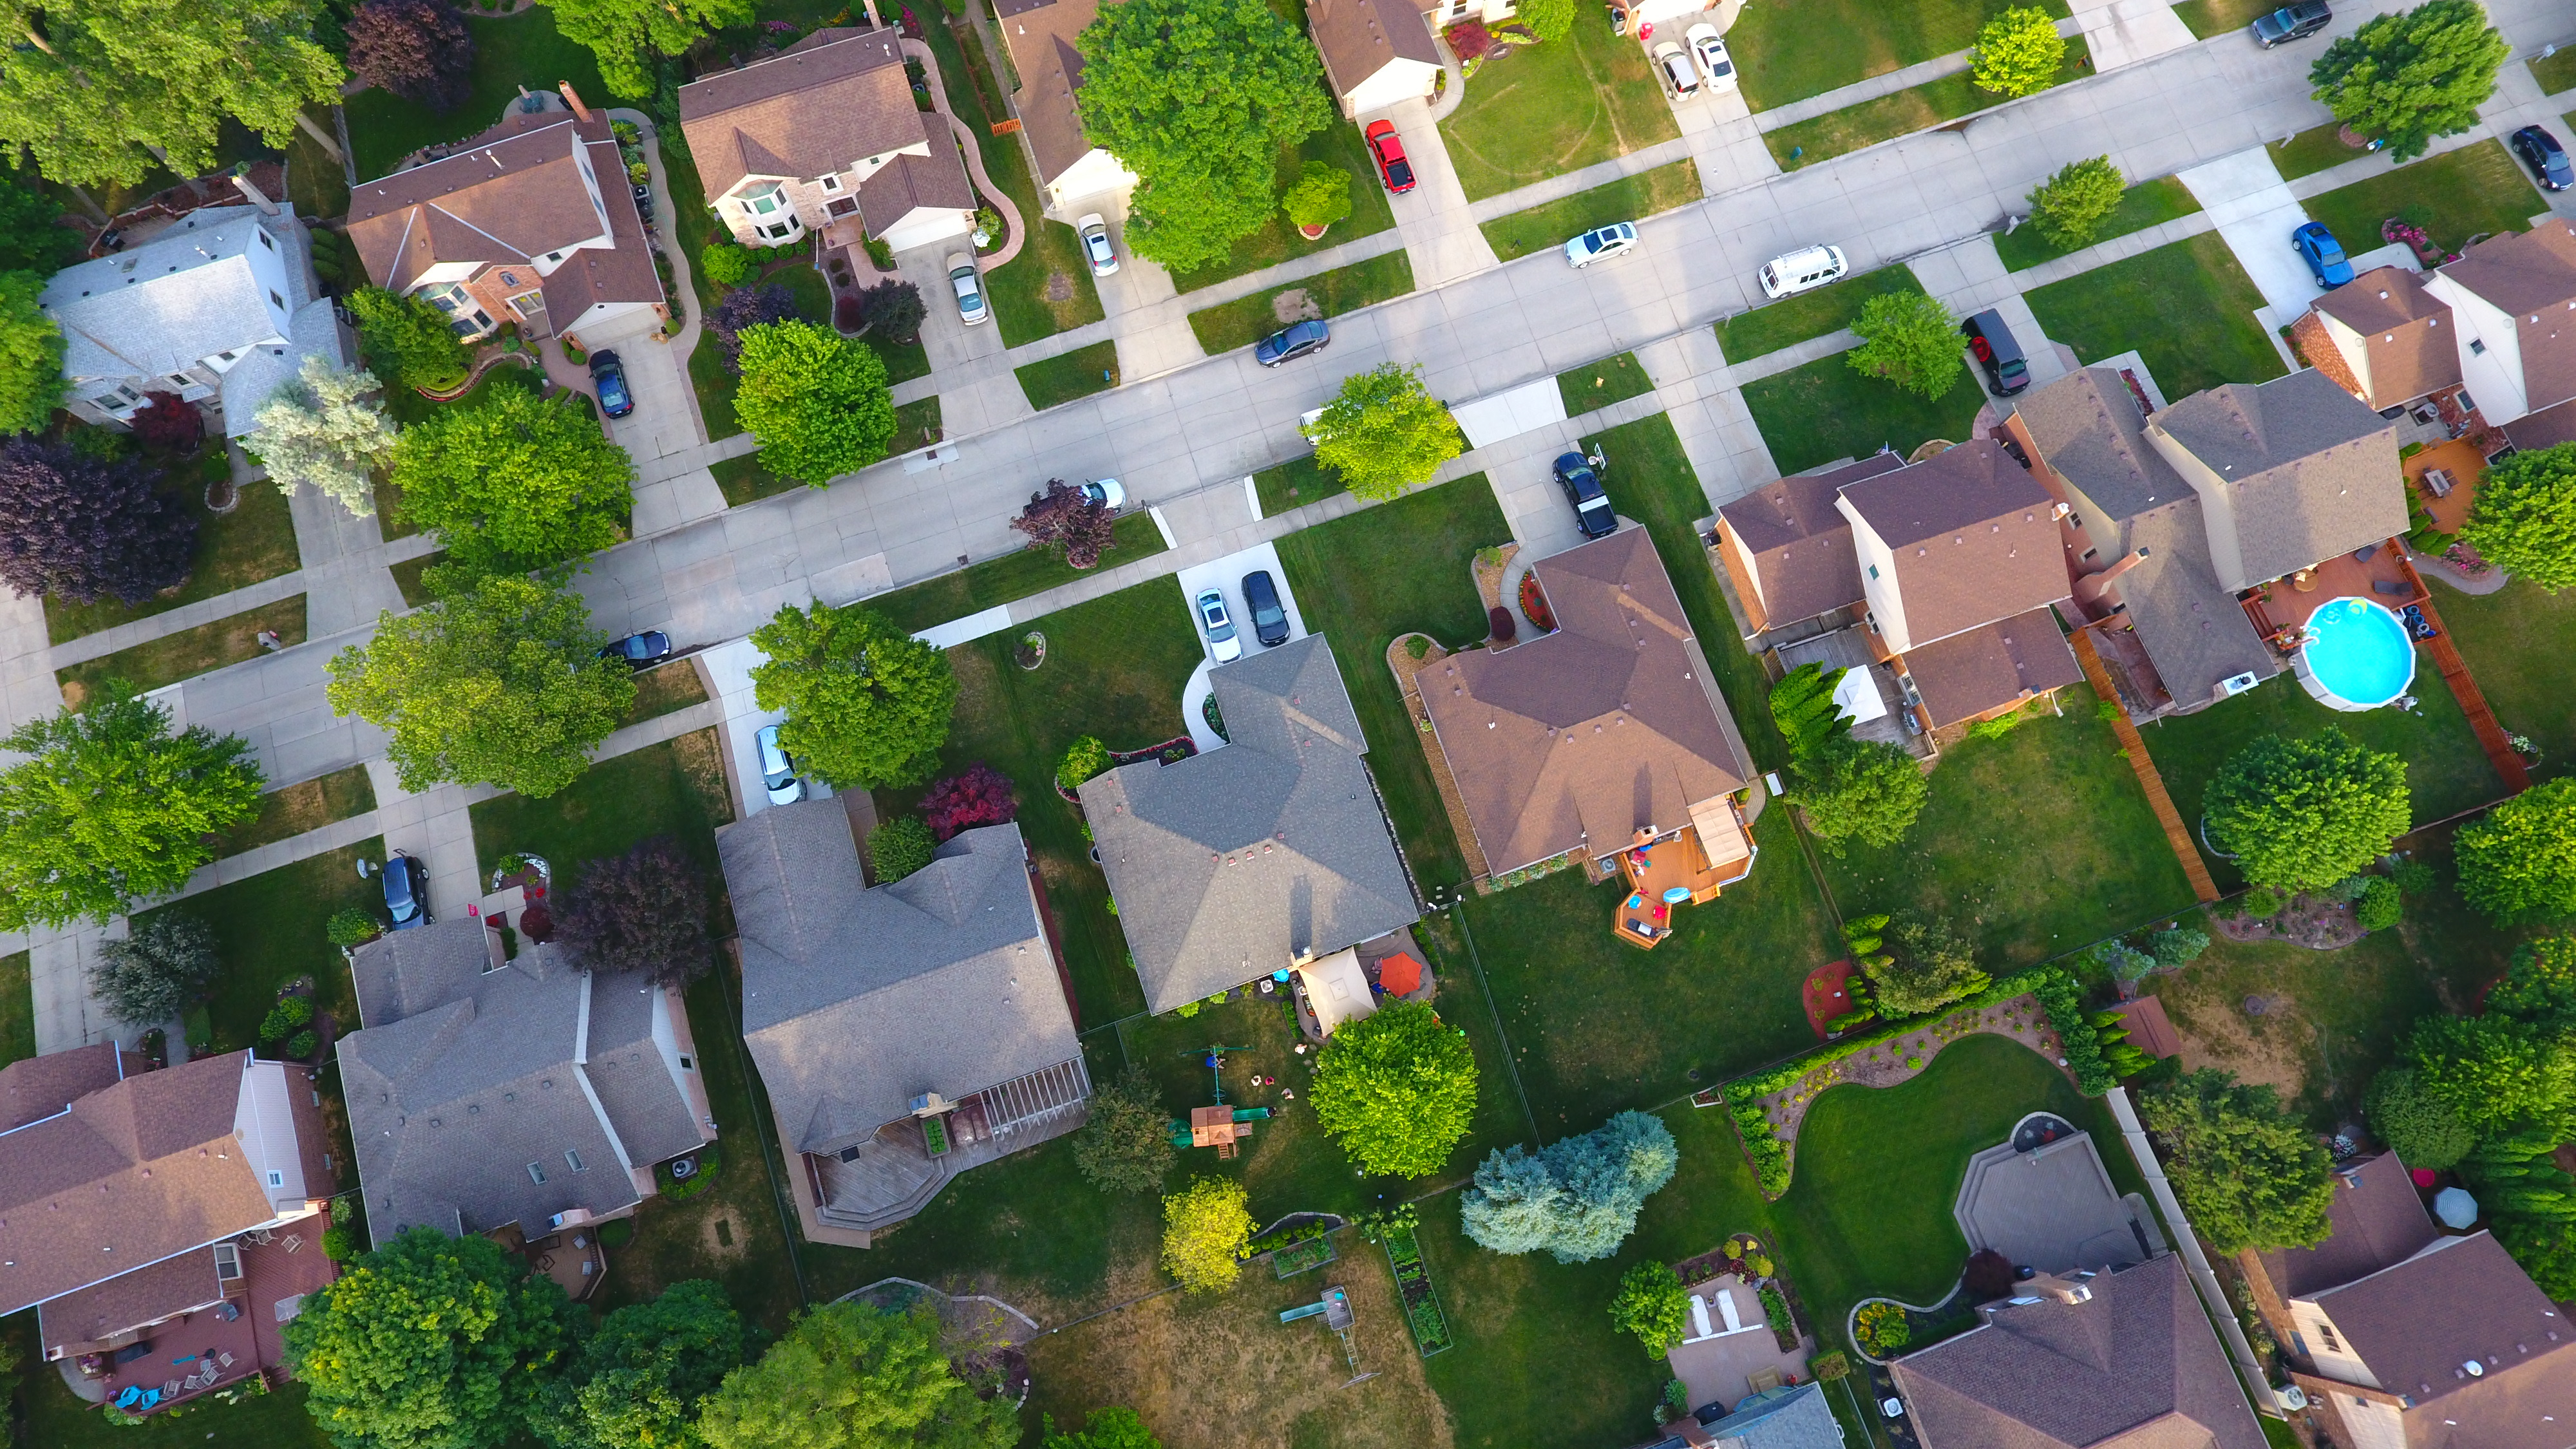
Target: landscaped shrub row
x=1421, y=1306
x=2077, y=1041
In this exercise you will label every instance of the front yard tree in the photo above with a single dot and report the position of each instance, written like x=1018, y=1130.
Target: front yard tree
x=2524, y=517
x=80, y=528
x=1577, y=1197
x=31, y=355
x=1206, y=1228
x=638, y=1380
x=407, y=340
x=1102, y=1429
x=629, y=36
x=2493, y=1072
x=1384, y=432
x=515, y=482
x=497, y=684
x=894, y=311
x=2302, y=814
x=2069, y=207
x=849, y=1376
x=166, y=962
x=419, y=50
x=2415, y=1124
x=105, y=90
x=1863, y=790
x=1197, y=97
x=816, y=400
x=1126, y=1146
x=325, y=431
x=2249, y=1175
x=1398, y=1088
x=2519, y=863
x=1924, y=967
x=429, y=1342
x=1321, y=196
x=109, y=806
x=1652, y=1306
x=641, y=914
x=1064, y=517
x=2018, y=52
x=868, y=705
x=2405, y=79
x=1910, y=339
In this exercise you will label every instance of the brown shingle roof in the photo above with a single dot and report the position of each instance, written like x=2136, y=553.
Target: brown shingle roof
x=1973, y=538
x=2533, y=276
x=2377, y=1220
x=2418, y=1324
x=2310, y=472
x=1358, y=38
x=836, y=98
x=1612, y=722
x=2544, y=429
x=1040, y=37
x=625, y=273
x=1992, y=665
x=512, y=200
x=909, y=183
x=146, y=1295
x=2407, y=334
x=1799, y=544
x=34, y=1088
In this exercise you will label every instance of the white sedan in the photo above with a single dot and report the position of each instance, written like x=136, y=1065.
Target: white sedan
x=969, y=286
x=1615, y=240
x=1710, y=52
x=1223, y=645
x=1094, y=231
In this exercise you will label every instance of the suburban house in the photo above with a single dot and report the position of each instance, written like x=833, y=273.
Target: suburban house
x=1040, y=37
x=1788, y=549
x=1375, y=54
x=532, y=222
x=825, y=137
x=2125, y=1357
x=2384, y=337
x=1788, y=1416
x=219, y=308
x=905, y=1033
x=2405, y=1337
x=1259, y=857
x=2514, y=300
x=146, y=1215
x=490, y=1091
x=1605, y=740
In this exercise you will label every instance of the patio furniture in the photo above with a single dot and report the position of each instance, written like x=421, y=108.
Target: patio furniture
x=168, y=1390
x=294, y=1241
x=126, y=1400
x=225, y=1359
x=2440, y=481
x=1768, y=1378
x=2393, y=587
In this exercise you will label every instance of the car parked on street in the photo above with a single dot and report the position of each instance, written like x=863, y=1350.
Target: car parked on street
x=1107, y=492
x=969, y=286
x=2324, y=255
x=1392, y=169
x=1223, y=646
x=1615, y=240
x=1580, y=477
x=1269, y=617
x=777, y=769
x=2547, y=159
x=1296, y=340
x=1708, y=49
x=2295, y=21
x=406, y=891
x=1802, y=270
x=1991, y=342
x=1094, y=230
x=640, y=650
x=1673, y=67
x=609, y=376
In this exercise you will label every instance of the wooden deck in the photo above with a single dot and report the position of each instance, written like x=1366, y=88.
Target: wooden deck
x=2176, y=835
x=1680, y=863
x=2473, y=703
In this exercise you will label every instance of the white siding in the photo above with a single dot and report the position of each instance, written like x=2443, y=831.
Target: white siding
x=2353, y=346
x=1396, y=81
x=1096, y=173
x=1878, y=580
x=264, y=1123
x=924, y=225
x=2490, y=350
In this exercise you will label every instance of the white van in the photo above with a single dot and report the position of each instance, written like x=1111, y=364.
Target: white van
x=1801, y=270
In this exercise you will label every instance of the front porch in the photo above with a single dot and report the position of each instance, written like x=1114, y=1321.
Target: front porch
x=1689, y=866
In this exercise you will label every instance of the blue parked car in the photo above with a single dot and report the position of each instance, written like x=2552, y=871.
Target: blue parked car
x=2547, y=159
x=1292, y=342
x=2324, y=255
x=610, y=376
x=406, y=891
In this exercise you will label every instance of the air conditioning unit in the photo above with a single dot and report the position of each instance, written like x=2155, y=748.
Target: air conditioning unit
x=2238, y=684
x=2291, y=1397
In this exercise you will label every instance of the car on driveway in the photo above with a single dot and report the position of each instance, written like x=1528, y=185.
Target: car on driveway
x=1392, y=168
x=1615, y=240
x=1580, y=477
x=1708, y=49
x=1673, y=68
x=777, y=769
x=2547, y=159
x=2324, y=255
x=2295, y=21
x=1223, y=646
x=609, y=376
x=640, y=650
x=1269, y=618
x=1094, y=230
x=1991, y=343
x=969, y=287
x=406, y=891
x=1293, y=341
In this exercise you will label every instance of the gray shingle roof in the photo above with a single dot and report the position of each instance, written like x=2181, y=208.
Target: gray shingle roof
x=856, y=1001
x=628, y=1071
x=1782, y=1418
x=1232, y=863
x=2309, y=471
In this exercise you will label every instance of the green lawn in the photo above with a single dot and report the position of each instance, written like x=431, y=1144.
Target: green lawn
x=1824, y=411
x=716, y=382
x=665, y=689
x=1537, y=111
x=1630, y=198
x=407, y=407
x=1599, y=384
x=2555, y=73
x=2516, y=641
x=2446, y=772
x=1070, y=375
x=1247, y=320
x=742, y=480
x=253, y=542
x=1900, y=113
x=1996, y=856
x=2215, y=17
x=289, y=812
x=17, y=1009
x=1395, y=569
x=2146, y=204
x=916, y=425
x=2187, y=308
x=1777, y=51
x=188, y=653
x=675, y=788
x=2312, y=150
x=268, y=933
x=315, y=180
x=1016, y=575
x=1767, y=329
x=2461, y=193
x=1294, y=484
x=522, y=50
x=407, y=577
x=1339, y=145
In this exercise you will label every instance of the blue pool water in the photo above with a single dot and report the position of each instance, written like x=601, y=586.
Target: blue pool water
x=2357, y=653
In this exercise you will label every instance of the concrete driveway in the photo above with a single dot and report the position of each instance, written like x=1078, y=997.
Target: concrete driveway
x=2255, y=212
x=944, y=333
x=1440, y=235
x=728, y=671
x=1226, y=575
x=662, y=423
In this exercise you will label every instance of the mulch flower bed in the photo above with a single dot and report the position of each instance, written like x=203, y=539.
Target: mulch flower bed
x=2022, y=1019
x=2311, y=921
x=1825, y=994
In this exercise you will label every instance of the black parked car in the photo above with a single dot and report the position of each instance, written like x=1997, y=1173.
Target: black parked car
x=640, y=651
x=610, y=376
x=1291, y=342
x=1269, y=620
x=1592, y=515
x=406, y=891
x=2547, y=159
x=1998, y=352
x=2295, y=21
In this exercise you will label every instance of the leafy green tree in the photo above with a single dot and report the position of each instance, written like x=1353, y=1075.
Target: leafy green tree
x=2493, y=1071
x=1321, y=196
x=1103, y=1429
x=1197, y=97
x=1909, y=339
x=2408, y=78
x=2178, y=947
x=105, y=90
x=816, y=400
x=848, y=1376
x=31, y=355
x=2540, y=985
x=1546, y=19
x=2379, y=906
x=2302, y=814
x=166, y=962
x=899, y=847
x=638, y=1381
x=2524, y=517
x=1652, y=1306
x=2018, y=52
x=429, y=1342
x=1577, y=1197
x=1384, y=432
x=2546, y=1249
x=628, y=36
x=108, y=806
x=499, y=684
x=1398, y=1088
x=514, y=483
x=2415, y=1124
x=1206, y=1230
x=323, y=430
x=407, y=340
x=1863, y=790
x=1927, y=968
x=1803, y=706
x=867, y=704
x=2069, y=207
x=2519, y=863
x=32, y=237
x=2248, y=1174
x=1126, y=1145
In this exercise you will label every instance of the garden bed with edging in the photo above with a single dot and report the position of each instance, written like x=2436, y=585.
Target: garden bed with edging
x=1170, y=752
x=2311, y=921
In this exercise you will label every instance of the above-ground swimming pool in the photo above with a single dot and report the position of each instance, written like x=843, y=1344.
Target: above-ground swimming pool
x=2357, y=655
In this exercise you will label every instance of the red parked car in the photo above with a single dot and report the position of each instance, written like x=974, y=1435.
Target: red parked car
x=1392, y=168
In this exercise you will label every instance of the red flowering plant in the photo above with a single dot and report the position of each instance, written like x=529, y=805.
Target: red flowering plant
x=981, y=796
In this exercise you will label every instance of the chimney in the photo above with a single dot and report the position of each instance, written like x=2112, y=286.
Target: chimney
x=573, y=99
x=258, y=198
x=2064, y=1290
x=2088, y=589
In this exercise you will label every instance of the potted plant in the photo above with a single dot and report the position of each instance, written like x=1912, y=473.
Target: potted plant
x=1321, y=197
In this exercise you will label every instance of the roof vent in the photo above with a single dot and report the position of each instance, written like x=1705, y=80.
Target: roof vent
x=2383, y=294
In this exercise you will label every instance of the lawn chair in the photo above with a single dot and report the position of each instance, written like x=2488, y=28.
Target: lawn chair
x=294, y=1241
x=225, y=1359
x=2394, y=587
